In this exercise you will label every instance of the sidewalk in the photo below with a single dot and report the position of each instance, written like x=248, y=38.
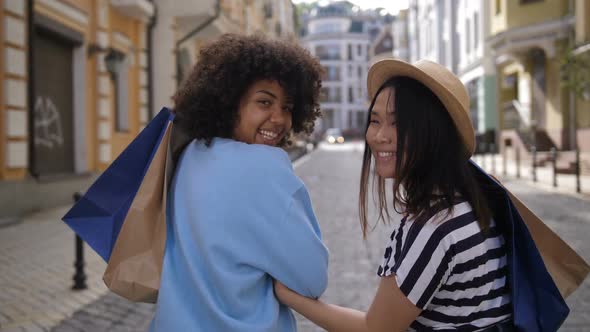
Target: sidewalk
x=36, y=270
x=566, y=183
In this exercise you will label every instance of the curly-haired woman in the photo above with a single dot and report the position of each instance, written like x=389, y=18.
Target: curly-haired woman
x=238, y=216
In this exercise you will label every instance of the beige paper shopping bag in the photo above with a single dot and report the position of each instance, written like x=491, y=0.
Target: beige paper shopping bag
x=566, y=267
x=135, y=265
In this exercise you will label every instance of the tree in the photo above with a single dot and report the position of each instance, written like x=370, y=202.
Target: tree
x=575, y=73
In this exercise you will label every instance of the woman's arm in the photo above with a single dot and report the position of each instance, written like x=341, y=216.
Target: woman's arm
x=390, y=311
x=328, y=316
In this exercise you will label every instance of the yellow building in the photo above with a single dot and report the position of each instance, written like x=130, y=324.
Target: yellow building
x=528, y=41
x=74, y=93
x=215, y=17
x=582, y=105
x=81, y=78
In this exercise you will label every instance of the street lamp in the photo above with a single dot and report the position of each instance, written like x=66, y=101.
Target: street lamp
x=114, y=61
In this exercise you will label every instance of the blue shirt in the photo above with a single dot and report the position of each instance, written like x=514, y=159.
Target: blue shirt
x=238, y=217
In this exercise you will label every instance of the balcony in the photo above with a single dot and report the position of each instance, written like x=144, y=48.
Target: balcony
x=141, y=10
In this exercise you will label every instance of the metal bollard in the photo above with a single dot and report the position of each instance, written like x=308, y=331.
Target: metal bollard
x=505, y=160
x=484, y=164
x=554, y=164
x=518, y=163
x=578, y=185
x=79, y=275
x=493, y=154
x=534, y=165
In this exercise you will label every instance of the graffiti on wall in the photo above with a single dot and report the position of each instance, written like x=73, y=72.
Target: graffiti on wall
x=48, y=131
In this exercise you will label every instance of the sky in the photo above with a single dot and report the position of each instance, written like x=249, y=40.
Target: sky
x=392, y=6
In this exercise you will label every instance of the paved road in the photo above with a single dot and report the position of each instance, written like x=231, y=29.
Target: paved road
x=331, y=175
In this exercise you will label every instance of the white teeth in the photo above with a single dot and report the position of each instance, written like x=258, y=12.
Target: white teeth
x=385, y=154
x=268, y=134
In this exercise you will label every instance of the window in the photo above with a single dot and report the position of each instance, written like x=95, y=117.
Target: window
x=498, y=7
x=475, y=30
x=351, y=121
x=324, y=94
x=331, y=73
x=360, y=72
x=350, y=94
x=359, y=50
x=349, y=51
x=330, y=95
x=361, y=120
x=327, y=28
x=118, y=69
x=335, y=95
x=467, y=36
x=328, y=52
x=328, y=118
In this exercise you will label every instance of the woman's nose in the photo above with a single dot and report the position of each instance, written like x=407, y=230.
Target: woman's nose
x=384, y=135
x=279, y=116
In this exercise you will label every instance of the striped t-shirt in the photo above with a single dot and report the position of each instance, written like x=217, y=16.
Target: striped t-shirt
x=450, y=269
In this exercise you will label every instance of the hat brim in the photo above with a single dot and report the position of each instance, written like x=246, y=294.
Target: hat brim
x=383, y=70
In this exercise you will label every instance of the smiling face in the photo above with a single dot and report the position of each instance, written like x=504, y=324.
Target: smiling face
x=264, y=114
x=381, y=134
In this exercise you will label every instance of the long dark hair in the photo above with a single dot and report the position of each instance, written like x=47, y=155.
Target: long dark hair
x=430, y=160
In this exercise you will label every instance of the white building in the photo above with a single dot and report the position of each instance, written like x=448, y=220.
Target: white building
x=476, y=66
x=399, y=31
x=339, y=34
x=431, y=31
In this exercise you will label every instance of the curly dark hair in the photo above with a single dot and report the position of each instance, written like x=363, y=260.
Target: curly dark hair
x=207, y=102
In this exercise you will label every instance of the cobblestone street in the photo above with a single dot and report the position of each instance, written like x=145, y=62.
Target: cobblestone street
x=331, y=175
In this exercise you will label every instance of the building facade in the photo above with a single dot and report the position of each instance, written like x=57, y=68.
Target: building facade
x=432, y=31
x=581, y=120
x=476, y=68
x=340, y=35
x=528, y=40
x=399, y=33
x=80, y=79
x=74, y=78
x=183, y=26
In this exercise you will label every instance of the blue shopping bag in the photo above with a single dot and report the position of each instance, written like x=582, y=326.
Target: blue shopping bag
x=537, y=303
x=99, y=215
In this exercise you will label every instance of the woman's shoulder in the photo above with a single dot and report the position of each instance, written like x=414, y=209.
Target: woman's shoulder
x=242, y=164
x=223, y=150
x=446, y=224
x=257, y=156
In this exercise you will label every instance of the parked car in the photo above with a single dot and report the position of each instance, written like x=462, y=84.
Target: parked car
x=334, y=135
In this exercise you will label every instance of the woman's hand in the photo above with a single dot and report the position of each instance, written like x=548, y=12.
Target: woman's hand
x=327, y=316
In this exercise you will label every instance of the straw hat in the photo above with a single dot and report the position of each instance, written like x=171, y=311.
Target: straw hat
x=443, y=83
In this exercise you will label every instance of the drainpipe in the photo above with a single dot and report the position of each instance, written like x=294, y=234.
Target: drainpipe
x=150, y=59
x=31, y=88
x=195, y=31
